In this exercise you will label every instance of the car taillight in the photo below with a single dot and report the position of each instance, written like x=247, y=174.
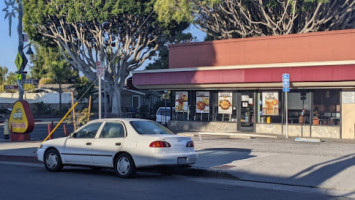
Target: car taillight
x=190, y=144
x=159, y=144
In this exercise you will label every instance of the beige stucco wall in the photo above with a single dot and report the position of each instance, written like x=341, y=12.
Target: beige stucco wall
x=348, y=119
x=332, y=132
x=293, y=130
x=269, y=128
x=213, y=127
x=298, y=130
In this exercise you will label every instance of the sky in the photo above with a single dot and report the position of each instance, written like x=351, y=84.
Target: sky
x=8, y=45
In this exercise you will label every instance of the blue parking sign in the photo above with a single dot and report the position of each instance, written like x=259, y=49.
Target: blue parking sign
x=286, y=82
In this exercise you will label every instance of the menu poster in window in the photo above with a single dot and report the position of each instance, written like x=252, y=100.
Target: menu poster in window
x=181, y=101
x=270, y=103
x=202, y=102
x=348, y=97
x=225, y=103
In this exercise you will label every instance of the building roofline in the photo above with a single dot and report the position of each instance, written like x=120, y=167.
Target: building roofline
x=235, y=40
x=254, y=66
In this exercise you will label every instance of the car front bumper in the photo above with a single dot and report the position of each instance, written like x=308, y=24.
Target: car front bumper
x=40, y=154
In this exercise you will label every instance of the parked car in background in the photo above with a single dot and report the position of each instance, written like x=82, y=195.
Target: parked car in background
x=163, y=115
x=122, y=144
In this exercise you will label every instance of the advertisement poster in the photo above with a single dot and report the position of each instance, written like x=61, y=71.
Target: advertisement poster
x=181, y=102
x=202, y=102
x=270, y=103
x=224, y=103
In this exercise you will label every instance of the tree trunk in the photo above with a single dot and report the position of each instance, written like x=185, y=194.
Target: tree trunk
x=116, y=102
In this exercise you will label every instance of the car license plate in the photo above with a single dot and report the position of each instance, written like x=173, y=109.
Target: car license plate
x=181, y=161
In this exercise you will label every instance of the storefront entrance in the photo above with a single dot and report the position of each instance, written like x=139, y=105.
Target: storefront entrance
x=246, y=112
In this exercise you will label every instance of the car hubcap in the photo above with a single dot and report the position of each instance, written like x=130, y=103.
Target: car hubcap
x=52, y=160
x=123, y=166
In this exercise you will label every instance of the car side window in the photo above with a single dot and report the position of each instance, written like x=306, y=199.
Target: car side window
x=112, y=130
x=88, y=131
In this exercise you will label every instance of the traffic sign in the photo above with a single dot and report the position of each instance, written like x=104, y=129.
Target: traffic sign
x=31, y=81
x=18, y=60
x=10, y=87
x=19, y=77
x=286, y=82
x=100, y=70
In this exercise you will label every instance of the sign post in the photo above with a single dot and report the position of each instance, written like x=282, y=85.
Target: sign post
x=100, y=72
x=286, y=88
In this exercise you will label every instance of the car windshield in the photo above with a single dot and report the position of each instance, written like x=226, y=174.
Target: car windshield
x=164, y=112
x=150, y=128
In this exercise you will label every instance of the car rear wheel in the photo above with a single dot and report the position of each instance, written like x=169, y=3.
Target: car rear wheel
x=124, y=166
x=52, y=160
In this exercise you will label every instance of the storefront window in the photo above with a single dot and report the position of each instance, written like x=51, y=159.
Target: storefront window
x=205, y=106
x=223, y=106
x=202, y=106
x=326, y=110
x=299, y=107
x=181, y=109
x=269, y=107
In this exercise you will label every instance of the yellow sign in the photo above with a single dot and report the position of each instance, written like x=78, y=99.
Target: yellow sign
x=21, y=120
x=19, y=77
x=18, y=61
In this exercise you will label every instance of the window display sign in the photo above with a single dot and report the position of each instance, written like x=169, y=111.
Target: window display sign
x=202, y=102
x=270, y=103
x=225, y=102
x=181, y=101
x=348, y=97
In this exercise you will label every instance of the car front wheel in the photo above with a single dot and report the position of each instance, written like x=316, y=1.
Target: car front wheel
x=52, y=160
x=124, y=166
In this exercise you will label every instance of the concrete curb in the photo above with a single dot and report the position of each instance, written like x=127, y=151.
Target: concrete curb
x=228, y=135
x=207, y=173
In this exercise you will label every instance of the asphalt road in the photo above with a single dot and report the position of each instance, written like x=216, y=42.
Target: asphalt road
x=31, y=181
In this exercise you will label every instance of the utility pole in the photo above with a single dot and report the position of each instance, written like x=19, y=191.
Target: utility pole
x=20, y=75
x=21, y=60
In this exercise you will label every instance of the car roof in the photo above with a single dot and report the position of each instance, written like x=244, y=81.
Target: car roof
x=126, y=120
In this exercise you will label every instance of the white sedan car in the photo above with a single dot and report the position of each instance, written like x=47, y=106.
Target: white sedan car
x=123, y=144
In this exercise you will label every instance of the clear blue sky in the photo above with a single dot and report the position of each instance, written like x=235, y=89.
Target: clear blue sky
x=8, y=45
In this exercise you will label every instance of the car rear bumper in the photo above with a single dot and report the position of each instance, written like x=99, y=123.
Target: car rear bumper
x=173, y=159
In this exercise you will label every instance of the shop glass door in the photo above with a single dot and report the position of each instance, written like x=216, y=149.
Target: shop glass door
x=246, y=112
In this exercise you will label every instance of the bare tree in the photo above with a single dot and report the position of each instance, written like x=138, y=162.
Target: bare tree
x=121, y=36
x=247, y=18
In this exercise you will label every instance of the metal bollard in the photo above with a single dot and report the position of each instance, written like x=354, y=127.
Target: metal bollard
x=49, y=131
x=6, y=129
x=65, y=130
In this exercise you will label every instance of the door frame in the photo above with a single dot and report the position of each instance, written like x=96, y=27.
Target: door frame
x=240, y=128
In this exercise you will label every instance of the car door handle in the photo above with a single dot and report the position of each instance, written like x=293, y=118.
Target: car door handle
x=88, y=143
x=118, y=143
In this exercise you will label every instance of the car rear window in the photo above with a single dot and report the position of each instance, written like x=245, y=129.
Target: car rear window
x=150, y=128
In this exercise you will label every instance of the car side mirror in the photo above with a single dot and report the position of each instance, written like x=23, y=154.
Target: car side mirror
x=73, y=135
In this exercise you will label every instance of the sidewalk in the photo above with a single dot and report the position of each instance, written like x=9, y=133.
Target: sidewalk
x=326, y=165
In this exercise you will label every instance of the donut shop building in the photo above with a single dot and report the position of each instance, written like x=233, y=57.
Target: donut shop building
x=236, y=85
